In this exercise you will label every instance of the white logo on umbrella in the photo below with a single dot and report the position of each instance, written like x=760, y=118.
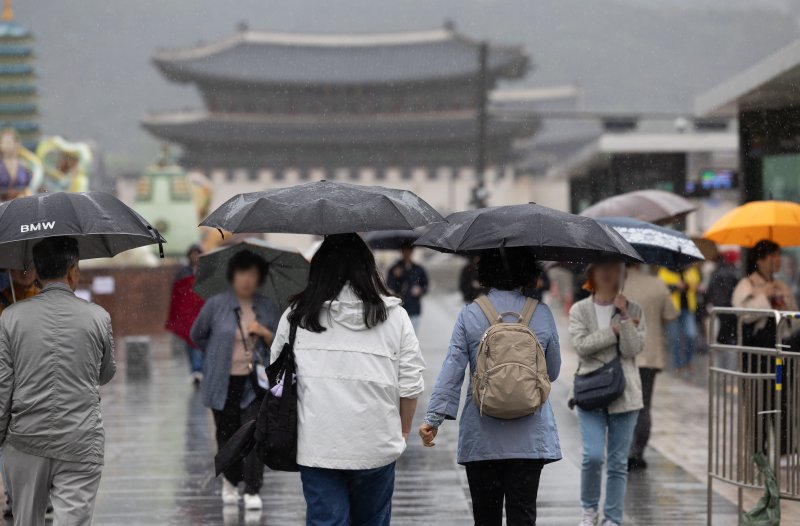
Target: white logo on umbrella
x=35, y=227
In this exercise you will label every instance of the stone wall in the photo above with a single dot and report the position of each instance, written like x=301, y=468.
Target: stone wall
x=140, y=298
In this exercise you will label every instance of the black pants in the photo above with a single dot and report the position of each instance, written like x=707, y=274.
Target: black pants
x=228, y=422
x=516, y=481
x=641, y=434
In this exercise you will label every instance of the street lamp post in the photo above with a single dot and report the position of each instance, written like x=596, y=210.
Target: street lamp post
x=479, y=192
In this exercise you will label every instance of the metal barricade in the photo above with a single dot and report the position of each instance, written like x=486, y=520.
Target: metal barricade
x=753, y=406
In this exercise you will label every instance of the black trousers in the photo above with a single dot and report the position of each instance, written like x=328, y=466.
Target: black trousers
x=515, y=480
x=641, y=433
x=228, y=421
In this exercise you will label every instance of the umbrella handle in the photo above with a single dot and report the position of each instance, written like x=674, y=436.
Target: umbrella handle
x=160, y=244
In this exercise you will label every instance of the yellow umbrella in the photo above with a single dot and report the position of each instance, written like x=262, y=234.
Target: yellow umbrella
x=777, y=221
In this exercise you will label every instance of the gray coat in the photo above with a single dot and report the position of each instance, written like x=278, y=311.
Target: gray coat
x=56, y=350
x=596, y=347
x=214, y=331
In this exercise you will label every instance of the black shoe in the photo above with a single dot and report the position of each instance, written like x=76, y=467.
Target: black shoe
x=635, y=464
x=7, y=514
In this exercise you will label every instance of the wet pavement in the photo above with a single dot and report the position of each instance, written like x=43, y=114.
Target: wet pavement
x=160, y=444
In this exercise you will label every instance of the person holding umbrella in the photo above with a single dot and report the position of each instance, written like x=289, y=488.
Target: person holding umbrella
x=359, y=373
x=606, y=327
x=409, y=281
x=234, y=330
x=53, y=445
x=503, y=458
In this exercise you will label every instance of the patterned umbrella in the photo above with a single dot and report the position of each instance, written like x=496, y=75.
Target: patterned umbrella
x=657, y=245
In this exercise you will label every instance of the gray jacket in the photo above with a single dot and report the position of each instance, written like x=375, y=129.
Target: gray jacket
x=214, y=331
x=596, y=347
x=56, y=350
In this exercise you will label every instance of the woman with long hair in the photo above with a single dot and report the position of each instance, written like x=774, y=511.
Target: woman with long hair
x=503, y=458
x=359, y=373
x=603, y=327
x=234, y=330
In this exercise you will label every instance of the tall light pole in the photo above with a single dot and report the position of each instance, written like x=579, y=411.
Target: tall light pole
x=479, y=192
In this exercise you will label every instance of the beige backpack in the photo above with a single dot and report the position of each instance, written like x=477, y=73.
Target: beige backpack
x=510, y=379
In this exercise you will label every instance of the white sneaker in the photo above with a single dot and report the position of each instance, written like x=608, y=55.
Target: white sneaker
x=230, y=493
x=609, y=522
x=589, y=517
x=252, y=501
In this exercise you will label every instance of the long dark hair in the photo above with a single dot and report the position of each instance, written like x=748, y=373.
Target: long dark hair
x=761, y=250
x=342, y=258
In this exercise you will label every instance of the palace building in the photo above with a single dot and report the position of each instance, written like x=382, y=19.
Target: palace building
x=400, y=109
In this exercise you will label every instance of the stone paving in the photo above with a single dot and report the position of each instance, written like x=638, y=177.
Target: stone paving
x=160, y=446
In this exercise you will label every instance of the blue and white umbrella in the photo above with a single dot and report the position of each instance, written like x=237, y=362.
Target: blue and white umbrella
x=656, y=244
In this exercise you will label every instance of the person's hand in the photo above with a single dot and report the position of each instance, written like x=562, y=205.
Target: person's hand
x=427, y=432
x=621, y=303
x=398, y=272
x=416, y=291
x=259, y=330
x=771, y=289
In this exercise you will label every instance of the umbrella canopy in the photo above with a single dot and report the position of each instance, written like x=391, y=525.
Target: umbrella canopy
x=103, y=225
x=390, y=239
x=551, y=235
x=654, y=206
x=656, y=244
x=288, y=270
x=323, y=208
x=777, y=221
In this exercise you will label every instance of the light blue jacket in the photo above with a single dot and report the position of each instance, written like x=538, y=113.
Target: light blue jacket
x=488, y=438
x=214, y=331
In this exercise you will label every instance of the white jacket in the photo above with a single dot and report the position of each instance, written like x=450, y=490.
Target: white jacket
x=350, y=380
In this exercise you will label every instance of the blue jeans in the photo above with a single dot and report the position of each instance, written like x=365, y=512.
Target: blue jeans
x=195, y=359
x=594, y=426
x=340, y=497
x=681, y=334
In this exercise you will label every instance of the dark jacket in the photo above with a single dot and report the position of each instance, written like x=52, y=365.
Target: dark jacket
x=214, y=331
x=719, y=294
x=409, y=275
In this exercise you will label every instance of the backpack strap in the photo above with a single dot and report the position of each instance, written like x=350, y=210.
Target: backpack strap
x=488, y=309
x=526, y=315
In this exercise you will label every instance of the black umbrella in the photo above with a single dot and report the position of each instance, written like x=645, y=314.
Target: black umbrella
x=549, y=234
x=390, y=239
x=288, y=270
x=103, y=225
x=656, y=244
x=323, y=208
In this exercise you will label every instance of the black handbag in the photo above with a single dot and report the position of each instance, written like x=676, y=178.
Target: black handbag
x=599, y=388
x=276, y=426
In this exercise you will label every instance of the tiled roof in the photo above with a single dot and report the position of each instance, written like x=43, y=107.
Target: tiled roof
x=250, y=56
x=187, y=127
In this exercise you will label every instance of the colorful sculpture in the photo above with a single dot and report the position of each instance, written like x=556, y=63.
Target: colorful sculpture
x=66, y=164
